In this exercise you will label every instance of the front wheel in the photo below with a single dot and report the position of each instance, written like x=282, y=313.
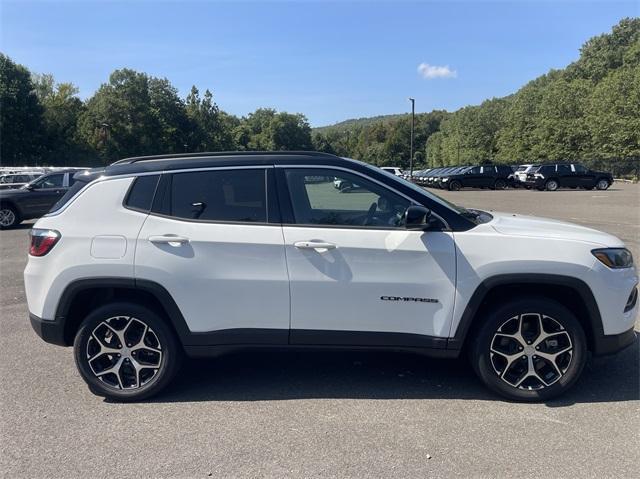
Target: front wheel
x=500, y=184
x=602, y=184
x=455, y=185
x=126, y=352
x=9, y=217
x=531, y=349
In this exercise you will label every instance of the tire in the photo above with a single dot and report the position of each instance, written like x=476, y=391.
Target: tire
x=513, y=381
x=9, y=217
x=455, y=185
x=602, y=184
x=499, y=184
x=551, y=185
x=157, y=345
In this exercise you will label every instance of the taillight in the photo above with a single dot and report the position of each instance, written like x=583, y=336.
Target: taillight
x=42, y=241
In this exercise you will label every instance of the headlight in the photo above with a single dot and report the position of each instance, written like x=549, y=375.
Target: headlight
x=445, y=179
x=614, y=258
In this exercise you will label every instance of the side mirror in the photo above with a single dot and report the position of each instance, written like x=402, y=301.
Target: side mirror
x=417, y=217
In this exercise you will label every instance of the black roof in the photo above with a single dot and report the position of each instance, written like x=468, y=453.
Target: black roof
x=160, y=163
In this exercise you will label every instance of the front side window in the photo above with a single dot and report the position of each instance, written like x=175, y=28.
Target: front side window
x=342, y=199
x=223, y=195
x=51, y=181
x=564, y=169
x=579, y=168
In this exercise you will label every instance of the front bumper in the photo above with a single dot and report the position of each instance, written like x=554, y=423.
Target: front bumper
x=50, y=331
x=605, y=345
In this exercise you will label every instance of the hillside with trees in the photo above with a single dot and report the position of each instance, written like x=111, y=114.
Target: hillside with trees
x=588, y=111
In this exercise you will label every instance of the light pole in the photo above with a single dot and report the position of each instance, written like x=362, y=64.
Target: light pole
x=413, y=118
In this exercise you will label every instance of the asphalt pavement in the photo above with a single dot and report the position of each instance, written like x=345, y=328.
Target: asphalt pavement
x=321, y=414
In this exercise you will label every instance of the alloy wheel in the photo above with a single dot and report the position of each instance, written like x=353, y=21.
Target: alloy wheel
x=124, y=353
x=7, y=217
x=552, y=185
x=602, y=185
x=531, y=351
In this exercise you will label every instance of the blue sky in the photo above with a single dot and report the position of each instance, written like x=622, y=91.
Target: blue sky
x=328, y=60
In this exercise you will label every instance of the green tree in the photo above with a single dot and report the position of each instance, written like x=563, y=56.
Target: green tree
x=22, y=128
x=62, y=109
x=613, y=117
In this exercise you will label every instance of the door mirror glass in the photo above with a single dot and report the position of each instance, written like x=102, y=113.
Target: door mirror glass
x=417, y=217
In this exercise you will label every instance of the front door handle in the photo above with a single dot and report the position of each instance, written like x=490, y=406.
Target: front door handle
x=168, y=239
x=317, y=245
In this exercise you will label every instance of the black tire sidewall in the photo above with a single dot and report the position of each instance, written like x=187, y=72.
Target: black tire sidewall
x=455, y=185
x=481, y=361
x=171, y=357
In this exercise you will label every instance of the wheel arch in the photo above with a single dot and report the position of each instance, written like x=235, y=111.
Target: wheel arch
x=82, y=296
x=571, y=292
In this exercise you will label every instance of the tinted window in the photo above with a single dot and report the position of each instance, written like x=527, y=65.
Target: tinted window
x=579, y=168
x=141, y=193
x=223, y=195
x=51, y=181
x=564, y=169
x=474, y=171
x=70, y=193
x=342, y=199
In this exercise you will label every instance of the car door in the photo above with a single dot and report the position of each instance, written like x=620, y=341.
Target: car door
x=214, y=242
x=472, y=177
x=583, y=177
x=43, y=194
x=357, y=275
x=566, y=177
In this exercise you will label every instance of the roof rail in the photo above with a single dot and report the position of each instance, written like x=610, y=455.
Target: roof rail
x=209, y=154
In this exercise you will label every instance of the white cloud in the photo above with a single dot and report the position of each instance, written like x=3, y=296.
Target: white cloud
x=434, y=71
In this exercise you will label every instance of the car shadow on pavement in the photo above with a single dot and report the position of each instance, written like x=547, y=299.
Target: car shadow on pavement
x=262, y=376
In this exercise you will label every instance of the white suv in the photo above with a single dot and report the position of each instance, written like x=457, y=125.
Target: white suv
x=153, y=257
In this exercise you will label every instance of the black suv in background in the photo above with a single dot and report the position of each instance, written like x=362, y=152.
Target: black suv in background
x=34, y=199
x=485, y=176
x=567, y=175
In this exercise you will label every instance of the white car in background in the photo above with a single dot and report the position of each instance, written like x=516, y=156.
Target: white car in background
x=393, y=170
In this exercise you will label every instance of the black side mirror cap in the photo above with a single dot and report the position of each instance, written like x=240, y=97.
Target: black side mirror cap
x=417, y=217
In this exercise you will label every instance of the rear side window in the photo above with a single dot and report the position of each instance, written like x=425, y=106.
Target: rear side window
x=70, y=193
x=141, y=193
x=224, y=195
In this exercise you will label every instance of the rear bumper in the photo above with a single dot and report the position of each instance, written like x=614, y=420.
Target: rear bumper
x=50, y=331
x=606, y=345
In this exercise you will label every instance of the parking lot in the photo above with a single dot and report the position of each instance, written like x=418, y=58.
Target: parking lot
x=321, y=415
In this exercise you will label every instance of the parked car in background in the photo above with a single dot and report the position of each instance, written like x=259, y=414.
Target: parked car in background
x=550, y=177
x=485, y=176
x=35, y=198
x=520, y=174
x=16, y=180
x=394, y=170
x=420, y=176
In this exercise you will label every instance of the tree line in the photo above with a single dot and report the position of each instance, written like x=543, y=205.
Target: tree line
x=588, y=111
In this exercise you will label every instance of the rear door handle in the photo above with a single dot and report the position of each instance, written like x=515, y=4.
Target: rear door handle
x=169, y=239
x=317, y=245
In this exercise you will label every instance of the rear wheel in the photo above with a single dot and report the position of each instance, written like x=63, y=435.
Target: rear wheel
x=602, y=184
x=500, y=184
x=9, y=217
x=551, y=185
x=455, y=185
x=126, y=352
x=530, y=350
